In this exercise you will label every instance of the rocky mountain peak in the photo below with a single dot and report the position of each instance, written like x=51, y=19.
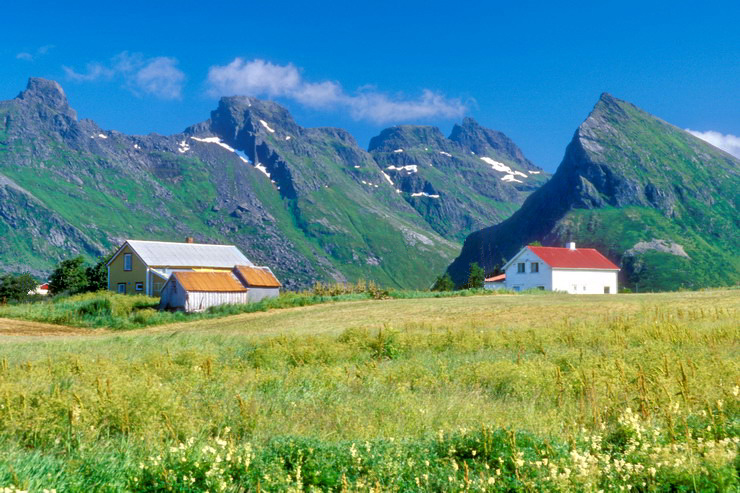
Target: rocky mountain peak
x=240, y=115
x=402, y=136
x=48, y=93
x=487, y=142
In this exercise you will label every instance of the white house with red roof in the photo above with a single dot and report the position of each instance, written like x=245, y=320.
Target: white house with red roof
x=570, y=269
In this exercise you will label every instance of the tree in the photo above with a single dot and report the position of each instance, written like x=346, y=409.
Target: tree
x=97, y=275
x=69, y=277
x=444, y=283
x=476, y=276
x=15, y=287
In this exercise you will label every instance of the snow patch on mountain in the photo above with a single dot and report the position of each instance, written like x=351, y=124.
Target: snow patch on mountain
x=267, y=127
x=412, y=168
x=511, y=178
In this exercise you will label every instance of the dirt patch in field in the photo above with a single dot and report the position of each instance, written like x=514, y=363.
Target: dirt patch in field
x=10, y=327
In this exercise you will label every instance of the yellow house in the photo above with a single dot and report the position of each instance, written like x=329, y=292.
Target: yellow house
x=142, y=267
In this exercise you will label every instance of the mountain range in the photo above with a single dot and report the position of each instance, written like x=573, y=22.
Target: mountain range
x=655, y=199
x=307, y=201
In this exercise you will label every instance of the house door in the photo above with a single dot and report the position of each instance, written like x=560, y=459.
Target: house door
x=122, y=287
x=606, y=289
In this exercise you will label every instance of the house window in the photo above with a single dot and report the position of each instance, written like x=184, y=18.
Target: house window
x=140, y=286
x=606, y=289
x=575, y=287
x=584, y=287
x=126, y=261
x=517, y=288
x=541, y=288
x=534, y=267
x=520, y=268
x=122, y=287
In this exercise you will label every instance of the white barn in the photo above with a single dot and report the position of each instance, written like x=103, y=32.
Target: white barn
x=572, y=270
x=495, y=282
x=260, y=282
x=197, y=291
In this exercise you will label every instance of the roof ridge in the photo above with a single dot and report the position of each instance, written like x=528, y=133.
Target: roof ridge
x=181, y=243
x=561, y=248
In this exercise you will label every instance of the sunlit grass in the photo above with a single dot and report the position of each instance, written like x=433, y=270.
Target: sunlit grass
x=474, y=392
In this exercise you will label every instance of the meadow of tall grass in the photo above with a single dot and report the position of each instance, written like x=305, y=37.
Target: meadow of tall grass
x=473, y=393
x=105, y=309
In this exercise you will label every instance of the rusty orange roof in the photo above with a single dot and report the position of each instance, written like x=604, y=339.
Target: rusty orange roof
x=259, y=277
x=223, y=282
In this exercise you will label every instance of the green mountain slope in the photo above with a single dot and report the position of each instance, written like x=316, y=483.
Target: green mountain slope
x=325, y=212
x=458, y=184
x=649, y=195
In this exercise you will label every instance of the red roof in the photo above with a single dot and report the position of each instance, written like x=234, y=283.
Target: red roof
x=579, y=258
x=498, y=278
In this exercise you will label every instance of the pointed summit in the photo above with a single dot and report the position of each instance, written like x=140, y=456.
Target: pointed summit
x=630, y=184
x=48, y=93
x=492, y=143
x=406, y=136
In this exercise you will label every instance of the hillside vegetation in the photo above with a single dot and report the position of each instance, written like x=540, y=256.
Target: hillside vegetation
x=475, y=393
x=656, y=200
x=309, y=202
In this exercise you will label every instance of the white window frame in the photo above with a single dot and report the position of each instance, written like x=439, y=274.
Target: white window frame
x=128, y=262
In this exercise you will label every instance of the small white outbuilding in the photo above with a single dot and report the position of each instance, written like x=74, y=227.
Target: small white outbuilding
x=260, y=282
x=570, y=269
x=495, y=282
x=197, y=291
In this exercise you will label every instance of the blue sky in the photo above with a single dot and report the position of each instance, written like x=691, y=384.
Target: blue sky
x=532, y=70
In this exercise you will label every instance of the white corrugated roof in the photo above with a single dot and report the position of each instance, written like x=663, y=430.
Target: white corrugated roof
x=169, y=254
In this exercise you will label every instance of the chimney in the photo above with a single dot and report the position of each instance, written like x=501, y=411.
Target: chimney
x=189, y=239
x=571, y=245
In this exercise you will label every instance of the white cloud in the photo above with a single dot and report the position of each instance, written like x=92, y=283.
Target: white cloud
x=728, y=143
x=261, y=78
x=160, y=77
x=157, y=76
x=93, y=71
x=29, y=57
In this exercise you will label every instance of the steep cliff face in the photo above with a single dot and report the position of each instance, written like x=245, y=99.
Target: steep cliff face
x=308, y=202
x=457, y=184
x=640, y=190
x=336, y=196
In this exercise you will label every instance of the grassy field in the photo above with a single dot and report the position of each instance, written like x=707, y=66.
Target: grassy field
x=473, y=393
x=104, y=309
